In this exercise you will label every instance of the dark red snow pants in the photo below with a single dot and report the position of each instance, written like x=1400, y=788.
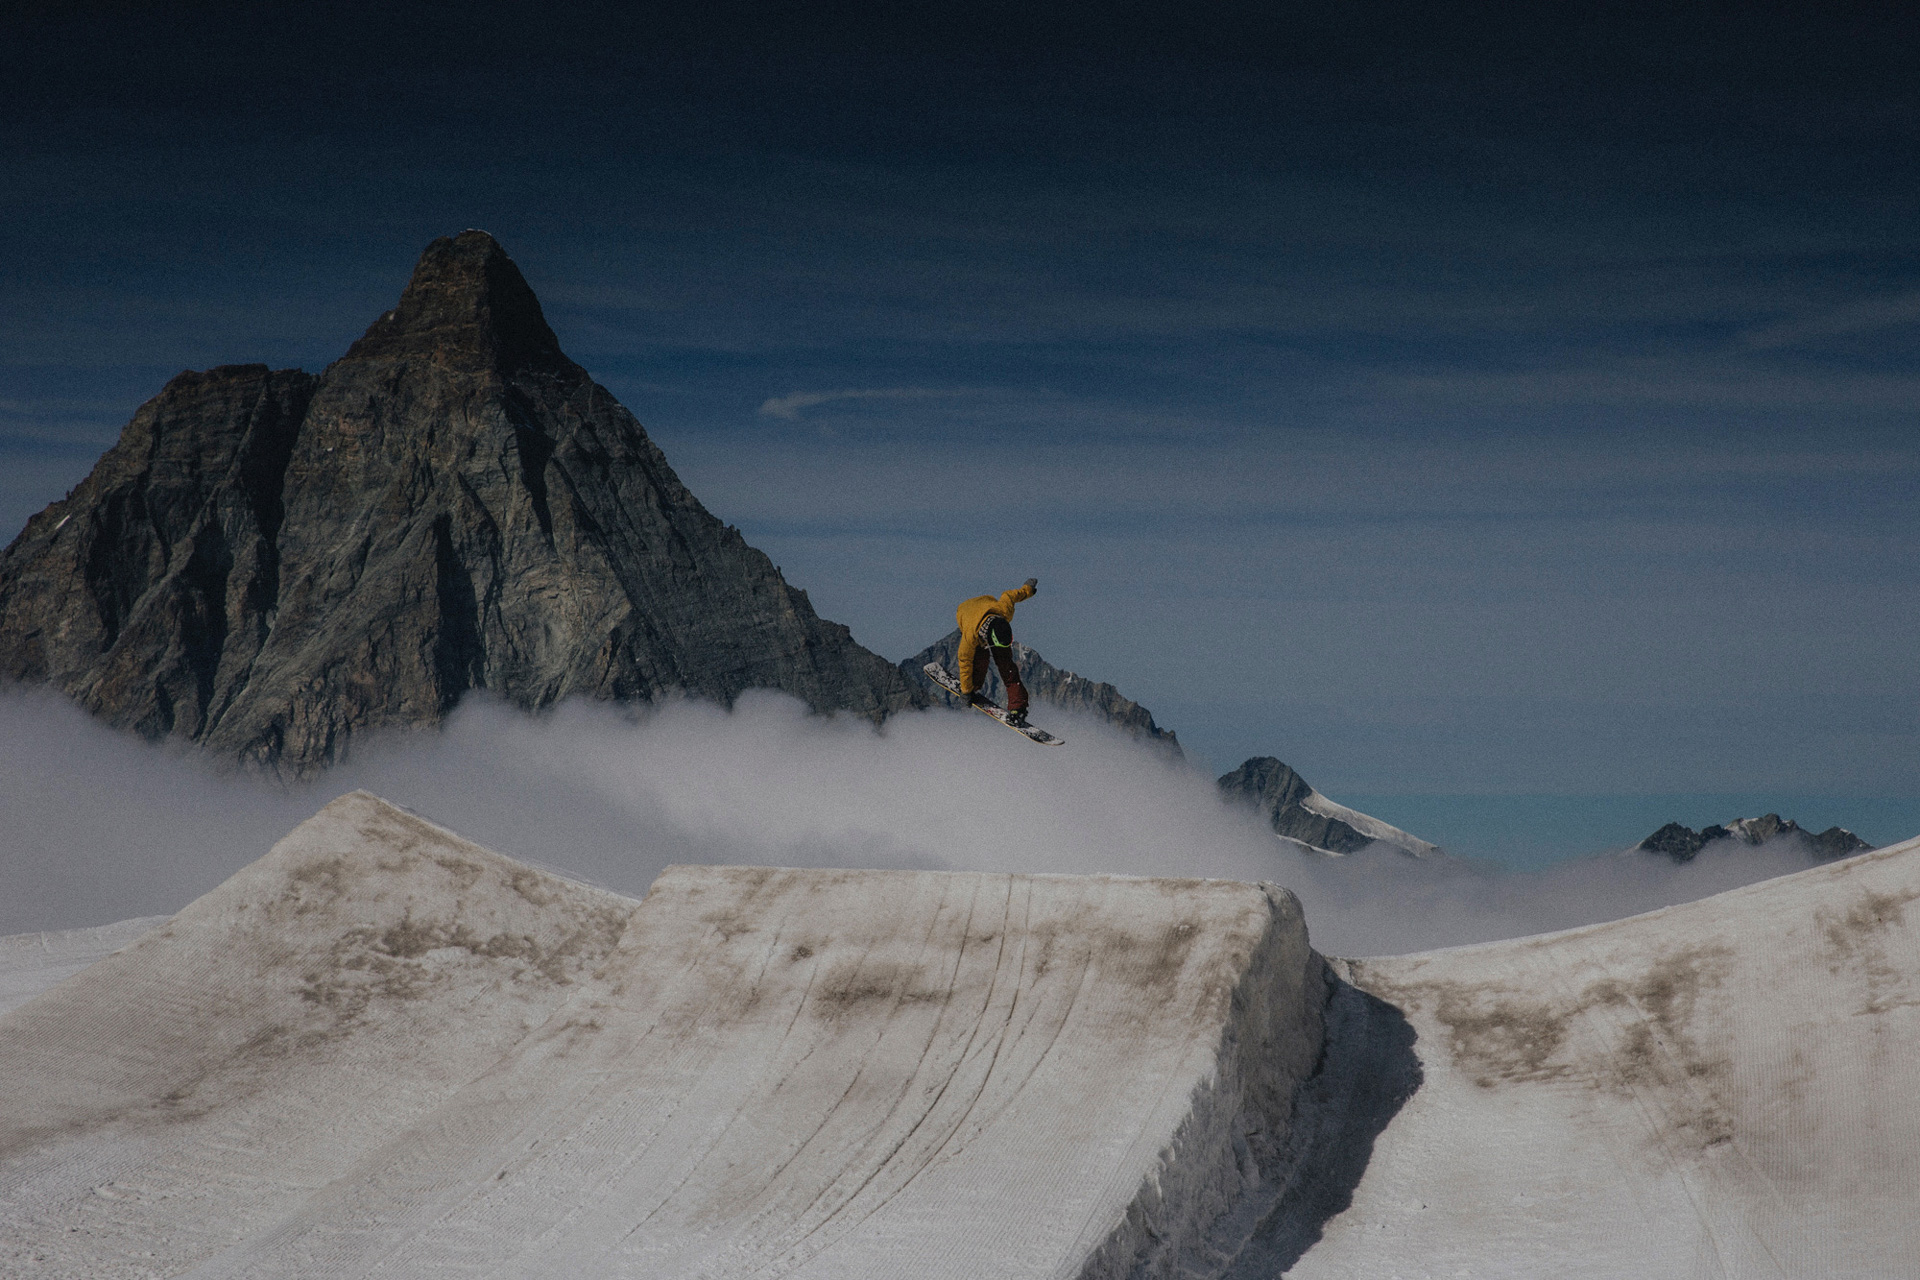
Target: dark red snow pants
x=1009, y=676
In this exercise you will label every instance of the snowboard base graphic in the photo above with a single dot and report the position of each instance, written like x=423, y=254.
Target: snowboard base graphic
x=938, y=674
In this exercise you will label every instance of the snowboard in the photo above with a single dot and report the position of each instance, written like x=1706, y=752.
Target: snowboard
x=938, y=674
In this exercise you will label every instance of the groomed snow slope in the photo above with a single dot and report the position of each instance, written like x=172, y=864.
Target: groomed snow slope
x=32, y=962
x=381, y=1051
x=1728, y=1088
x=199, y=1086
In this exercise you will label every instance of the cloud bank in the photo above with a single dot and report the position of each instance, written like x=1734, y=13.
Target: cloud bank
x=102, y=827
x=790, y=405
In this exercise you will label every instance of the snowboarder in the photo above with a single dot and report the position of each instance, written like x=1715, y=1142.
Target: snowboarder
x=986, y=623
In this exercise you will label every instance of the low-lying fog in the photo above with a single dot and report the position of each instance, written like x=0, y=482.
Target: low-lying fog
x=99, y=826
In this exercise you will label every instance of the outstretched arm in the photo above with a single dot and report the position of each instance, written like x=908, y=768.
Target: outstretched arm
x=1022, y=592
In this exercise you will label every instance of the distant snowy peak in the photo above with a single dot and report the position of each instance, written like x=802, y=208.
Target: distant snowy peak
x=1294, y=810
x=1297, y=812
x=1370, y=827
x=1683, y=843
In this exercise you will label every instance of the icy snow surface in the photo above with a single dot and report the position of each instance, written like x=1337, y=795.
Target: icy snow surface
x=32, y=962
x=1726, y=1088
x=382, y=1051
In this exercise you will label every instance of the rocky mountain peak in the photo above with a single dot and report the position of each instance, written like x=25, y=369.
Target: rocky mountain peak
x=1297, y=812
x=1280, y=796
x=1682, y=843
x=271, y=564
x=467, y=303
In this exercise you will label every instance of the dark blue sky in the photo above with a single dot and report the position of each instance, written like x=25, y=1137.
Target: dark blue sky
x=1442, y=399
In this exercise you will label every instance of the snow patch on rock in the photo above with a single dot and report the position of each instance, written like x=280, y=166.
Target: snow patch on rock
x=1371, y=827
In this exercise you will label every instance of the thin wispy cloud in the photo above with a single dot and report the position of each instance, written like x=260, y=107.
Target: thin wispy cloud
x=1869, y=315
x=790, y=406
x=1655, y=384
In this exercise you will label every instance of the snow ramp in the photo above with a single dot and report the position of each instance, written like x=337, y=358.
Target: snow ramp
x=32, y=962
x=1722, y=1090
x=383, y=1051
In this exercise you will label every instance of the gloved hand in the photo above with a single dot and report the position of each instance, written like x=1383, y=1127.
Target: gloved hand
x=976, y=699
x=1033, y=584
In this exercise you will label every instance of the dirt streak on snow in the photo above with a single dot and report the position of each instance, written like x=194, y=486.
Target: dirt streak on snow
x=384, y=1051
x=381, y=1051
x=1725, y=1088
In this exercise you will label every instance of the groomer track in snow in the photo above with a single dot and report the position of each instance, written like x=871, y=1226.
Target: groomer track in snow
x=382, y=1051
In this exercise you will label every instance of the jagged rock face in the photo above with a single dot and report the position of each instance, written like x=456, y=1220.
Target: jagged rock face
x=1047, y=685
x=1836, y=842
x=147, y=593
x=1279, y=794
x=1678, y=842
x=269, y=563
x=1683, y=843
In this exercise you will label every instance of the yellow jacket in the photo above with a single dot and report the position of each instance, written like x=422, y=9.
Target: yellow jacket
x=969, y=615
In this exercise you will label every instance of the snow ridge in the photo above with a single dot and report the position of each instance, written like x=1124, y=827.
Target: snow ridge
x=384, y=1052
x=1368, y=826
